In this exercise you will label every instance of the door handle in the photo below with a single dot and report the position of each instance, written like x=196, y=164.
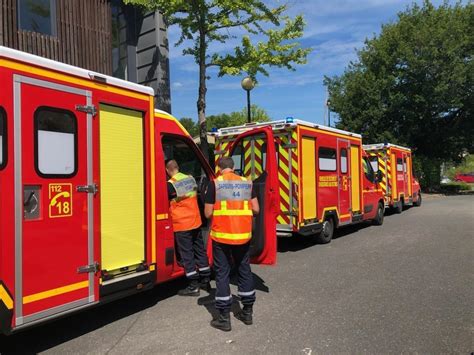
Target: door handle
x=91, y=189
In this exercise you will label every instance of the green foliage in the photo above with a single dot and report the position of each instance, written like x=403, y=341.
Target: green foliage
x=206, y=21
x=455, y=187
x=413, y=85
x=466, y=166
x=190, y=126
x=222, y=120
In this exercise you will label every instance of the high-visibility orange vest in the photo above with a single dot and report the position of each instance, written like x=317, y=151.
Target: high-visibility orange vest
x=184, y=208
x=232, y=216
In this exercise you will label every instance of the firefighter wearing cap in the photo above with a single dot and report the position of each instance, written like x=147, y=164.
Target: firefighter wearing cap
x=231, y=202
x=186, y=217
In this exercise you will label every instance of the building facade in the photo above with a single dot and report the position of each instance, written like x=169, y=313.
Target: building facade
x=104, y=36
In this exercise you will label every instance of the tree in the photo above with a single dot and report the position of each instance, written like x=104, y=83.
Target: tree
x=190, y=126
x=414, y=85
x=227, y=119
x=205, y=21
x=238, y=118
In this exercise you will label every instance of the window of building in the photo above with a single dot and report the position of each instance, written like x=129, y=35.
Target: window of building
x=37, y=16
x=55, y=142
x=327, y=159
x=187, y=159
x=3, y=138
x=343, y=159
x=368, y=170
x=399, y=164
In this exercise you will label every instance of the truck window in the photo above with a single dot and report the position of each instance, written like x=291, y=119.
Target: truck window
x=250, y=157
x=399, y=164
x=187, y=159
x=374, y=162
x=327, y=159
x=3, y=138
x=55, y=142
x=343, y=160
x=405, y=164
x=368, y=170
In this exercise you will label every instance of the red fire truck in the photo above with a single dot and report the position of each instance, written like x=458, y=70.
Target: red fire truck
x=399, y=185
x=325, y=179
x=83, y=199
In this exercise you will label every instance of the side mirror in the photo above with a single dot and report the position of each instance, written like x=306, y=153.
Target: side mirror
x=378, y=176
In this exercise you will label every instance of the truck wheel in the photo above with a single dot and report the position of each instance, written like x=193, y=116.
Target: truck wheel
x=327, y=232
x=378, y=220
x=399, y=207
x=417, y=203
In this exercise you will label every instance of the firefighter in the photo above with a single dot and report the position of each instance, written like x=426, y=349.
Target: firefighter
x=231, y=202
x=186, y=217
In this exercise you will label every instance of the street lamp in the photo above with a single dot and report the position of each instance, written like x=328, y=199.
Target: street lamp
x=328, y=103
x=248, y=84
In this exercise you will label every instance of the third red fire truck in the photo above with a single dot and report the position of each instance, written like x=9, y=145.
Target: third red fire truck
x=399, y=185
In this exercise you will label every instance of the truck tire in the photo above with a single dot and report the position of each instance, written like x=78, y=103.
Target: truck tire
x=398, y=208
x=327, y=232
x=378, y=220
x=417, y=203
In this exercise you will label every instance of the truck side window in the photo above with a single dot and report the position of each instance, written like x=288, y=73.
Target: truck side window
x=181, y=151
x=327, y=159
x=405, y=164
x=374, y=161
x=343, y=159
x=3, y=138
x=399, y=164
x=55, y=142
x=368, y=170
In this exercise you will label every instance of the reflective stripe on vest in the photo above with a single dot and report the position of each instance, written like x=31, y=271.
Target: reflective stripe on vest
x=185, y=186
x=184, y=209
x=232, y=216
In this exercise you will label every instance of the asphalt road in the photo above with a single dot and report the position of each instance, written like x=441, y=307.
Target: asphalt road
x=407, y=286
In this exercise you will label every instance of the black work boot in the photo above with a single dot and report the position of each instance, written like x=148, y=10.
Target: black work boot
x=245, y=315
x=191, y=290
x=205, y=284
x=222, y=322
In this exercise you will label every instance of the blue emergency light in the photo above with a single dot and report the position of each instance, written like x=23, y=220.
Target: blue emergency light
x=289, y=120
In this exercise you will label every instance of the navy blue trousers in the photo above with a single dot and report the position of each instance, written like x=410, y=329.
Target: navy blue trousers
x=193, y=254
x=226, y=256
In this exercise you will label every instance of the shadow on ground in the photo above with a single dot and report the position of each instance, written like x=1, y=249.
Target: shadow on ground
x=298, y=242
x=49, y=335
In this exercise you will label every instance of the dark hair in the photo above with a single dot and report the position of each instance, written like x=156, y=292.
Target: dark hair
x=225, y=163
x=171, y=164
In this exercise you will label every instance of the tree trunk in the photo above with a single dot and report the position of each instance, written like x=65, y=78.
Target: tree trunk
x=201, y=102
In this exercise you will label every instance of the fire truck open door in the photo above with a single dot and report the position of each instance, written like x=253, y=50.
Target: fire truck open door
x=255, y=157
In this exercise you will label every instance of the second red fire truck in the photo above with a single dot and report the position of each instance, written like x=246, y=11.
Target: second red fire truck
x=324, y=177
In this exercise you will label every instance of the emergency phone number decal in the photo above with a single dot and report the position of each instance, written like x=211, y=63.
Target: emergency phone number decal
x=60, y=200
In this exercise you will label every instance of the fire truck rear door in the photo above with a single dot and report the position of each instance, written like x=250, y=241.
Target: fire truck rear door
x=263, y=246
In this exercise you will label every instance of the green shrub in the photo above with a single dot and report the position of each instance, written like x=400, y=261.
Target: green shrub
x=455, y=187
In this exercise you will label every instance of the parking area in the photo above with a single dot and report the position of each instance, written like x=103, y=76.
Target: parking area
x=406, y=286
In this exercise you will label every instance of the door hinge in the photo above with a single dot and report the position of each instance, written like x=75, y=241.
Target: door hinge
x=88, y=268
x=89, y=109
x=91, y=189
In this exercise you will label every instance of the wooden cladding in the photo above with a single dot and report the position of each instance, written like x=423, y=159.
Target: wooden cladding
x=83, y=37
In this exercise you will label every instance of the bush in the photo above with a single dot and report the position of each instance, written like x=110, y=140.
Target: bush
x=455, y=187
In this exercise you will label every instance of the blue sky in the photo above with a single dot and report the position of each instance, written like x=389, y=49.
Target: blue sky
x=334, y=30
